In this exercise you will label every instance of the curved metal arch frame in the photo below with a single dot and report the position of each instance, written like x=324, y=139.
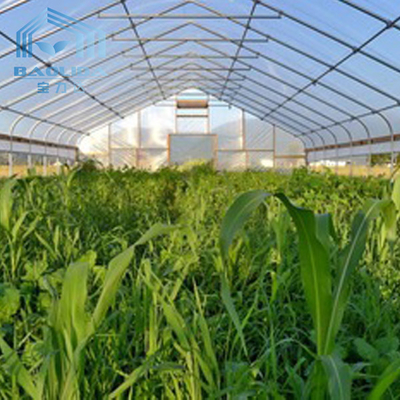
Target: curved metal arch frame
x=358, y=118
x=199, y=26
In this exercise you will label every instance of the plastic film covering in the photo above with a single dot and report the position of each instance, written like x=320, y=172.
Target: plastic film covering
x=230, y=138
x=192, y=147
x=326, y=72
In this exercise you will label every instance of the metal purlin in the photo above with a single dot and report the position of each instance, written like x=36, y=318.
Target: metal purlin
x=388, y=25
x=363, y=82
x=239, y=48
x=308, y=108
x=352, y=117
x=121, y=53
x=303, y=53
x=168, y=62
x=72, y=52
x=134, y=28
x=84, y=111
x=178, y=27
x=84, y=99
x=293, y=86
x=254, y=93
x=372, y=111
x=214, y=92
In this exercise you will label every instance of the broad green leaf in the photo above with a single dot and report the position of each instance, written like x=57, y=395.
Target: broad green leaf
x=387, y=344
x=15, y=368
x=389, y=376
x=116, y=269
x=315, y=271
x=339, y=377
x=6, y=203
x=71, y=314
x=9, y=302
x=325, y=230
x=314, y=256
x=348, y=261
x=316, y=387
x=237, y=215
x=365, y=350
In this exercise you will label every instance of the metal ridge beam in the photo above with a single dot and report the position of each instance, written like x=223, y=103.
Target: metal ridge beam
x=184, y=16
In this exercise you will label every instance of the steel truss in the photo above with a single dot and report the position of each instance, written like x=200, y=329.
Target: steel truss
x=159, y=80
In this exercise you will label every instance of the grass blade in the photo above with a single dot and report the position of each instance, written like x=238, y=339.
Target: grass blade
x=6, y=203
x=339, y=377
x=237, y=215
x=348, y=261
x=118, y=266
x=390, y=375
x=15, y=368
x=230, y=306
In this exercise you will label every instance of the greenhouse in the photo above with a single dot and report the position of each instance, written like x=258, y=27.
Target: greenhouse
x=200, y=199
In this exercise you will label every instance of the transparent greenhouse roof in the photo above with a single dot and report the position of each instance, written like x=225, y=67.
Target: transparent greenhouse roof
x=327, y=71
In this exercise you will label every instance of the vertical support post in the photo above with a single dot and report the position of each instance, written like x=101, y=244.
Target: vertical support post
x=337, y=159
x=169, y=150
x=216, y=152
x=392, y=154
x=244, y=144
x=351, y=159
x=274, y=146
x=109, y=146
x=176, y=115
x=29, y=161
x=45, y=165
x=10, y=164
x=208, y=116
x=370, y=158
x=242, y=129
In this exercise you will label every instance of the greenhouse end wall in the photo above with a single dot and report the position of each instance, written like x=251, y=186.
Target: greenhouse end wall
x=162, y=135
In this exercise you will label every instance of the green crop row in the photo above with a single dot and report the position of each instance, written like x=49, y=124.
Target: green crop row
x=199, y=284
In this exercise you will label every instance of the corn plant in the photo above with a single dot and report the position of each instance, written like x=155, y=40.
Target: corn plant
x=325, y=294
x=70, y=327
x=187, y=323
